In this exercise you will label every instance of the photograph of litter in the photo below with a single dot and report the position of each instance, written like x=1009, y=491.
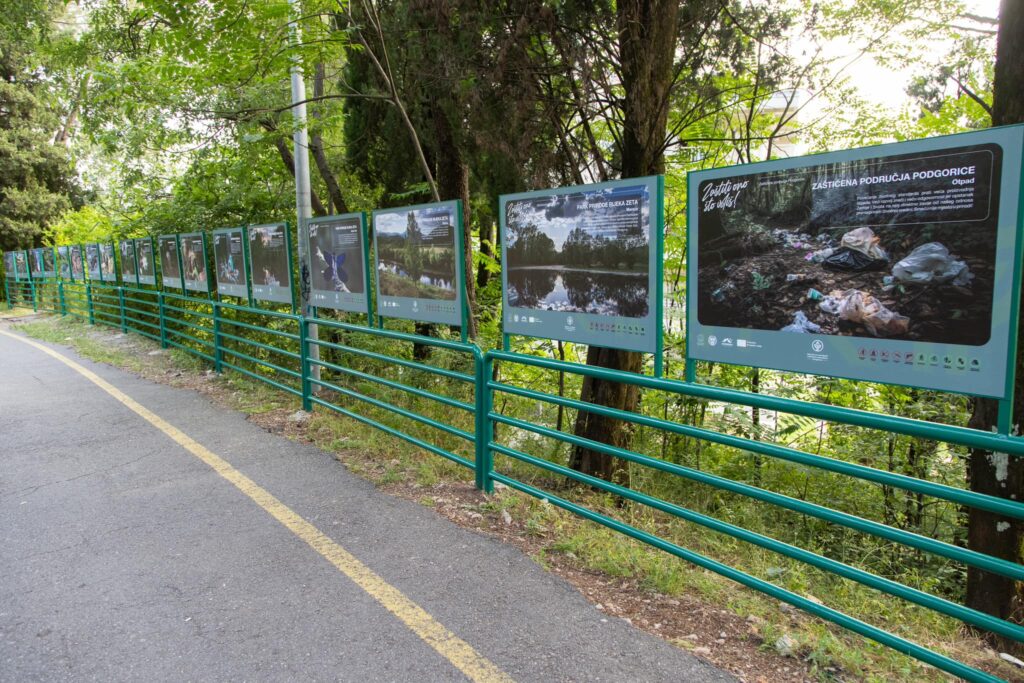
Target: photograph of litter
x=900, y=247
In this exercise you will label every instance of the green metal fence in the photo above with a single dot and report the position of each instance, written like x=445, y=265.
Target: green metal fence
x=396, y=386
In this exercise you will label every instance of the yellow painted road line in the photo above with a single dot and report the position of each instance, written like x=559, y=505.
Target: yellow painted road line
x=457, y=651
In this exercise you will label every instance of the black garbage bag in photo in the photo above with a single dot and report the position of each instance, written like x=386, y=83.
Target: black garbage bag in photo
x=846, y=258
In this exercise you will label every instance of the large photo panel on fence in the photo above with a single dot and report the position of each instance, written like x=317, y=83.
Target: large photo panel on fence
x=10, y=270
x=894, y=263
x=170, y=264
x=49, y=262
x=146, y=262
x=108, y=262
x=37, y=262
x=129, y=265
x=337, y=257
x=92, y=260
x=270, y=262
x=580, y=264
x=21, y=264
x=77, y=263
x=64, y=262
x=193, y=261
x=417, y=251
x=229, y=260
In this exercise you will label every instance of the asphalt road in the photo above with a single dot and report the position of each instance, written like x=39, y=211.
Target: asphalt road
x=123, y=556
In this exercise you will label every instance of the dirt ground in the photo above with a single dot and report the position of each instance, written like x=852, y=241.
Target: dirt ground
x=748, y=288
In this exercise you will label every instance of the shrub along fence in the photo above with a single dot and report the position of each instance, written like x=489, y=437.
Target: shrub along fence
x=394, y=390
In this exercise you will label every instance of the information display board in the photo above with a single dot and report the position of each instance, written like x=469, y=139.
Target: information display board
x=583, y=264
x=108, y=262
x=10, y=269
x=338, y=256
x=37, y=262
x=170, y=261
x=229, y=246
x=418, y=252
x=92, y=260
x=895, y=263
x=193, y=262
x=129, y=265
x=77, y=263
x=21, y=264
x=145, y=260
x=270, y=262
x=64, y=262
x=49, y=262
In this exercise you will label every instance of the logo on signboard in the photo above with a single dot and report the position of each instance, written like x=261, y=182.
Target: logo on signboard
x=713, y=340
x=817, y=346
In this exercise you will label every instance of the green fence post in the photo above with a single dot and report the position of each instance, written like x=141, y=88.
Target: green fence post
x=218, y=355
x=88, y=303
x=35, y=304
x=484, y=429
x=7, y=295
x=304, y=367
x=120, y=309
x=60, y=298
x=163, y=322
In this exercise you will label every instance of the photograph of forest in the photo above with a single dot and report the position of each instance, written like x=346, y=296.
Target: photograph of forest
x=170, y=268
x=901, y=248
x=416, y=252
x=9, y=267
x=585, y=252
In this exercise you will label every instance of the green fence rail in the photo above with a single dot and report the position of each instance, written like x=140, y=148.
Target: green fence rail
x=398, y=384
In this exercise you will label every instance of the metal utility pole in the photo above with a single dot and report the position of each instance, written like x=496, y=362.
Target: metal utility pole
x=303, y=204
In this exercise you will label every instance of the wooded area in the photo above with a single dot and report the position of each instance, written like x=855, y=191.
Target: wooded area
x=123, y=119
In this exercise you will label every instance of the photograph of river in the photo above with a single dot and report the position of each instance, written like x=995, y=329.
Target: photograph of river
x=583, y=252
x=416, y=252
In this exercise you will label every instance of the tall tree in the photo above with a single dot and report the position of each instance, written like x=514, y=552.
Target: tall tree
x=36, y=179
x=648, y=31
x=999, y=474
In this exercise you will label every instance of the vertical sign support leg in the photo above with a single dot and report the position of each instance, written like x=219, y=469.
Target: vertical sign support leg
x=484, y=428
x=120, y=309
x=88, y=304
x=60, y=299
x=218, y=354
x=163, y=320
x=304, y=369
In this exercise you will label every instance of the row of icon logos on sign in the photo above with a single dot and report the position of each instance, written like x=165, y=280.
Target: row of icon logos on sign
x=907, y=358
x=919, y=358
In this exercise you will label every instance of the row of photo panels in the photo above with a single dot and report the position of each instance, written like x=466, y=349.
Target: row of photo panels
x=419, y=274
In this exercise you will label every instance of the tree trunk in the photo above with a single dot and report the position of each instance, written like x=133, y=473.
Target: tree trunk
x=647, y=41
x=999, y=474
x=316, y=145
